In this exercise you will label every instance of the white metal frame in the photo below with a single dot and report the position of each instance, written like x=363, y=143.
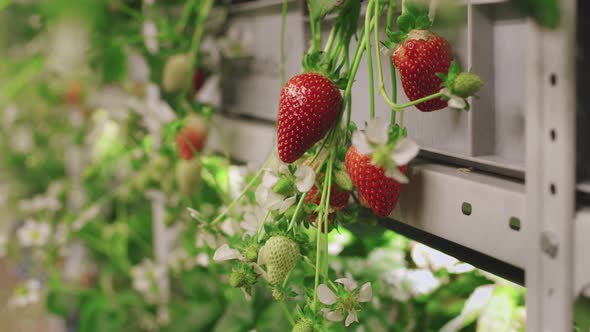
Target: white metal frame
x=552, y=242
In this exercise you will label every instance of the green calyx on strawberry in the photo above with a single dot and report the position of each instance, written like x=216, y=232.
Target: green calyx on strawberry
x=285, y=186
x=309, y=106
x=280, y=254
x=242, y=275
x=250, y=250
x=304, y=325
x=458, y=85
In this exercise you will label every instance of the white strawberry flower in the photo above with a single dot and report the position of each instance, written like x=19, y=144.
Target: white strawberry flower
x=146, y=279
x=427, y=258
x=455, y=101
x=33, y=233
x=26, y=293
x=270, y=200
x=345, y=304
x=225, y=253
x=410, y=283
x=374, y=142
x=149, y=31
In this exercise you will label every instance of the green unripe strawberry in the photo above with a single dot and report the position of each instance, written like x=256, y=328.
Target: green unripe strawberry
x=466, y=84
x=280, y=254
x=284, y=186
x=343, y=180
x=177, y=72
x=303, y=325
x=188, y=176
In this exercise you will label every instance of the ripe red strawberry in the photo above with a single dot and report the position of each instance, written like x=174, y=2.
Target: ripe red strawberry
x=338, y=197
x=309, y=105
x=380, y=192
x=199, y=78
x=418, y=59
x=192, y=137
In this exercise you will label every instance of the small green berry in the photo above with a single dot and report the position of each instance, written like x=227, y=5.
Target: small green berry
x=466, y=84
x=343, y=180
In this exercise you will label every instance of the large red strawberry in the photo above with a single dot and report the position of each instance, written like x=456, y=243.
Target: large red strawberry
x=310, y=104
x=380, y=191
x=418, y=59
x=338, y=197
x=192, y=137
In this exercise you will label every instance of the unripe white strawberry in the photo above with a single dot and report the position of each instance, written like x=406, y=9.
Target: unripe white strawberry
x=188, y=176
x=177, y=73
x=280, y=254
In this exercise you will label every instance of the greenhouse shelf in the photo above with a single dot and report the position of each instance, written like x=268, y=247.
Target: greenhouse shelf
x=496, y=203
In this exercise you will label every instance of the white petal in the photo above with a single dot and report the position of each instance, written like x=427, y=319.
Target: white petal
x=360, y=142
x=348, y=284
x=326, y=295
x=396, y=174
x=286, y=204
x=446, y=92
x=351, y=318
x=261, y=256
x=377, y=131
x=269, y=179
x=405, y=150
x=225, y=253
x=457, y=102
x=305, y=177
x=366, y=293
x=333, y=316
x=202, y=259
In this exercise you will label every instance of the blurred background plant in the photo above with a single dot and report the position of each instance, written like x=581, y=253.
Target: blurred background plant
x=105, y=111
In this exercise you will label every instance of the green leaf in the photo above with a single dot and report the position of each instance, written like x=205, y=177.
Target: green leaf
x=396, y=37
x=321, y=8
x=114, y=63
x=5, y=3
x=545, y=12
x=423, y=22
x=417, y=7
x=406, y=22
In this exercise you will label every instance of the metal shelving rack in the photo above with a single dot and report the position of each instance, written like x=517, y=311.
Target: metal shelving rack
x=533, y=232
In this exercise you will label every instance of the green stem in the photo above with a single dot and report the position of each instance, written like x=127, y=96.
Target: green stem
x=370, y=56
x=283, y=29
x=421, y=100
x=231, y=205
x=299, y=205
x=390, y=9
x=262, y=225
x=287, y=313
x=202, y=15
x=186, y=13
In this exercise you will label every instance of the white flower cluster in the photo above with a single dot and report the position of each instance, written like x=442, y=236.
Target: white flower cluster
x=26, y=293
x=346, y=304
x=270, y=200
x=34, y=233
x=146, y=279
x=376, y=138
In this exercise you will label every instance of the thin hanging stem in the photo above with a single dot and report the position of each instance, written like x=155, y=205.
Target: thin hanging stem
x=283, y=29
x=368, y=16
